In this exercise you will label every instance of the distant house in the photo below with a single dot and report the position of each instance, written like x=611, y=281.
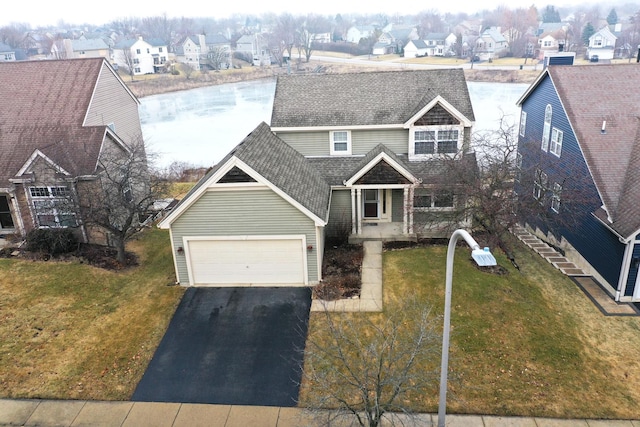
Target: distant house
x=491, y=44
x=439, y=44
x=359, y=32
x=65, y=117
x=254, y=49
x=86, y=48
x=551, y=42
x=7, y=53
x=141, y=56
x=579, y=144
x=415, y=49
x=393, y=40
x=602, y=44
x=205, y=51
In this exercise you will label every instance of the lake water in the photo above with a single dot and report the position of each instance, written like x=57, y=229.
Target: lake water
x=200, y=126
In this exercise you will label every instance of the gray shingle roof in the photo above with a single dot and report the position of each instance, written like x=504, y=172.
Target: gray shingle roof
x=613, y=157
x=281, y=165
x=360, y=99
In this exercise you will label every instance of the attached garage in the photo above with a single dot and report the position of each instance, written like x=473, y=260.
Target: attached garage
x=247, y=260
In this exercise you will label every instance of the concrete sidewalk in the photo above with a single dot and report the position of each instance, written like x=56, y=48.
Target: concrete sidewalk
x=370, y=299
x=63, y=413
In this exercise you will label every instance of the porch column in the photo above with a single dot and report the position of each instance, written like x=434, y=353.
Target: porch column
x=358, y=214
x=354, y=206
x=410, y=205
x=405, y=205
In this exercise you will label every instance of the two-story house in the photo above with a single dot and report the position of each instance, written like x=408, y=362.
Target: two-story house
x=579, y=154
x=602, y=44
x=141, y=56
x=359, y=32
x=439, y=44
x=343, y=160
x=491, y=44
x=53, y=139
x=254, y=48
x=205, y=51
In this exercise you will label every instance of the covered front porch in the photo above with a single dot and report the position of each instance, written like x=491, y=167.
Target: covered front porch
x=383, y=212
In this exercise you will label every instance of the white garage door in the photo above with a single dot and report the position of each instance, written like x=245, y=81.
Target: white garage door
x=247, y=261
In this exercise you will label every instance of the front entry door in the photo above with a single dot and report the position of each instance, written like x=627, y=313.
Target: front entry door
x=371, y=202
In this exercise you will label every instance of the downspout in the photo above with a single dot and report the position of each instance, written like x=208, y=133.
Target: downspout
x=624, y=273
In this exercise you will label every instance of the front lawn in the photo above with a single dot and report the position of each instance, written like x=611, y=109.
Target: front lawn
x=72, y=331
x=523, y=343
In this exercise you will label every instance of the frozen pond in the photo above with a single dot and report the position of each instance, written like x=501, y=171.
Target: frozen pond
x=200, y=126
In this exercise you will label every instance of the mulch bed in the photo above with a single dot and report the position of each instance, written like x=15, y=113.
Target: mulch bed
x=342, y=273
x=94, y=255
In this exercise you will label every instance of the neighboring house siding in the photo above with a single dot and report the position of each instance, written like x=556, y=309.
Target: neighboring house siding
x=234, y=213
x=362, y=141
x=633, y=270
x=112, y=104
x=588, y=236
x=339, y=215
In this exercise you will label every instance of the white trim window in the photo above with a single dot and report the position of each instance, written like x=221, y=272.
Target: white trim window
x=340, y=143
x=428, y=200
x=555, y=197
x=523, y=122
x=432, y=140
x=518, y=170
x=53, y=207
x=539, y=184
x=546, y=131
x=556, y=141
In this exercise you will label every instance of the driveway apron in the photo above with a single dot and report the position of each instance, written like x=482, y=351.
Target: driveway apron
x=237, y=346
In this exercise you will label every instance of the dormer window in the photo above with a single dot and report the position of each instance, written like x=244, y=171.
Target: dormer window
x=432, y=140
x=341, y=143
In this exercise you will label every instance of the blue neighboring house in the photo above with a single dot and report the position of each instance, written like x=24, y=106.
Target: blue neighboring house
x=579, y=137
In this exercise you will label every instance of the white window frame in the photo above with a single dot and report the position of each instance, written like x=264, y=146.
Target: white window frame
x=556, y=141
x=523, y=122
x=546, y=131
x=54, y=201
x=540, y=185
x=437, y=130
x=433, y=198
x=555, y=197
x=333, y=141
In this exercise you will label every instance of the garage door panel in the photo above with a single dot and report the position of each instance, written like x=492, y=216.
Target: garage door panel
x=247, y=261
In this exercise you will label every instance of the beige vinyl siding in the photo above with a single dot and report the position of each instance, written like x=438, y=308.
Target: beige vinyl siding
x=339, y=215
x=243, y=213
x=112, y=103
x=396, y=140
x=362, y=141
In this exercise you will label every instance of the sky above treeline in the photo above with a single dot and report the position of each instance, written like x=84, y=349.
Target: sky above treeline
x=47, y=12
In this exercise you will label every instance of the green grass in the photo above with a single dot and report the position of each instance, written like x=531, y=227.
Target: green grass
x=523, y=343
x=72, y=331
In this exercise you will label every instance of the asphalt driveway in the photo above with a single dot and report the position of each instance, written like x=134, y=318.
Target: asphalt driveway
x=231, y=346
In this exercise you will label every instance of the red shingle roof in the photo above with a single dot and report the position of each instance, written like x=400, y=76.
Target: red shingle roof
x=45, y=106
x=592, y=95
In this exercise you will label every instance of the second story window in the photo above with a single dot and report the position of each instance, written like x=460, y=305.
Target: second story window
x=138, y=51
x=340, y=142
x=556, y=142
x=436, y=141
x=523, y=122
x=546, y=131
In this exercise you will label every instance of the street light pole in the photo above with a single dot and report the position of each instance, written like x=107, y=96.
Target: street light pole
x=483, y=258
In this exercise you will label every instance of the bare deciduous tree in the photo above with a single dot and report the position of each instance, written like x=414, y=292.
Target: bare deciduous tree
x=120, y=198
x=368, y=368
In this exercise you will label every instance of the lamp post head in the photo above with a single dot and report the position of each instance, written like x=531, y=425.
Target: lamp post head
x=483, y=257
